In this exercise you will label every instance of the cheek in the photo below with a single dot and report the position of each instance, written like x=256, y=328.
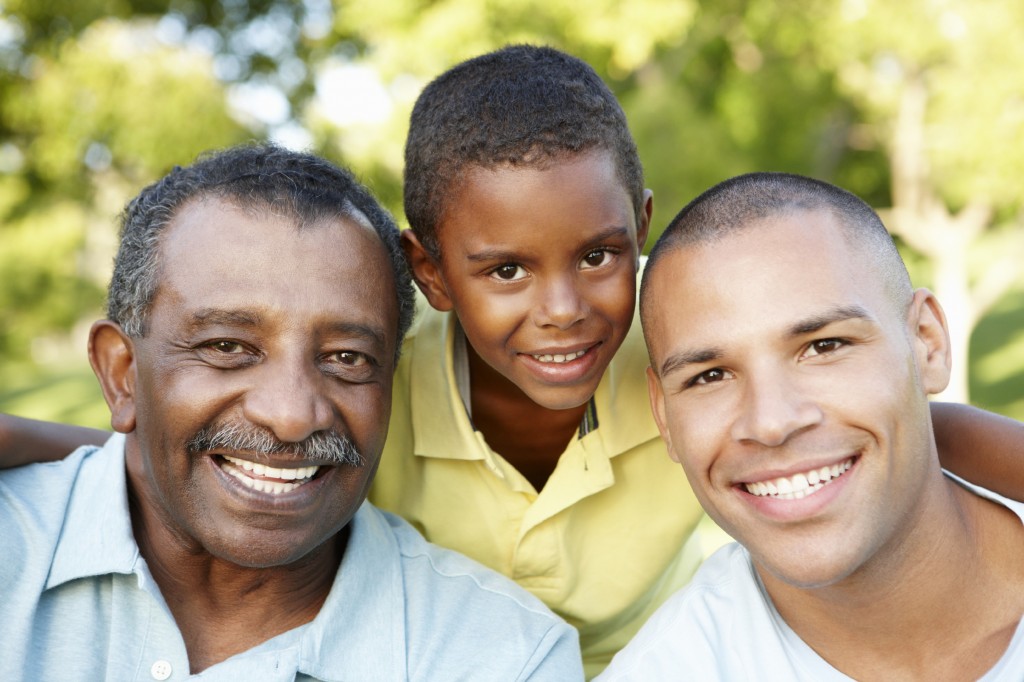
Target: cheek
x=699, y=432
x=366, y=412
x=616, y=299
x=488, y=321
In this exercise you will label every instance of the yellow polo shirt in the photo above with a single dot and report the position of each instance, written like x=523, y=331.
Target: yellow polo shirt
x=606, y=541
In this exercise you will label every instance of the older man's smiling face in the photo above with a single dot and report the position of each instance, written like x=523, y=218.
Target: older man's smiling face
x=263, y=384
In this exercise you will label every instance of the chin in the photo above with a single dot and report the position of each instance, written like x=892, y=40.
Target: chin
x=563, y=400
x=264, y=551
x=809, y=572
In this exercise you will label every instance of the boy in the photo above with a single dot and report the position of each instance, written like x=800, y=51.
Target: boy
x=520, y=432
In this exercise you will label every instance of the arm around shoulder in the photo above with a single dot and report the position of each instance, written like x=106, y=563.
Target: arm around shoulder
x=985, y=448
x=24, y=441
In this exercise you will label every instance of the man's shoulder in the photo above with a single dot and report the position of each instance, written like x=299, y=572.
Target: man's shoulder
x=37, y=495
x=34, y=505
x=698, y=632
x=456, y=616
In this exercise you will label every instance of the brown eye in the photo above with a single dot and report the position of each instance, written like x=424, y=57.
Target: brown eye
x=229, y=347
x=709, y=377
x=823, y=346
x=509, y=272
x=350, y=358
x=596, y=258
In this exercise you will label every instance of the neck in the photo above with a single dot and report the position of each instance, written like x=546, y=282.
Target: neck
x=529, y=436
x=222, y=608
x=896, y=616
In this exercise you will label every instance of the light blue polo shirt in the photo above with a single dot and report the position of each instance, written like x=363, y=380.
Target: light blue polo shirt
x=77, y=601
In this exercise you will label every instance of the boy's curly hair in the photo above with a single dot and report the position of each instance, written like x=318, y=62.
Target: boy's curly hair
x=521, y=106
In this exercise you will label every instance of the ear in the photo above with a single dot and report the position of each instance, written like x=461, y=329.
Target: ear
x=645, y=221
x=426, y=271
x=930, y=336
x=112, y=356
x=657, y=397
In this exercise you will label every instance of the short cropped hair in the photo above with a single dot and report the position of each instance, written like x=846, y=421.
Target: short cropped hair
x=258, y=177
x=521, y=106
x=747, y=199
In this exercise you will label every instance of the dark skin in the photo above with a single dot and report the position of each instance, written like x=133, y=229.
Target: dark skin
x=539, y=264
x=499, y=411
x=308, y=354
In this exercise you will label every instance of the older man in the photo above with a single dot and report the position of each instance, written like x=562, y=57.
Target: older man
x=256, y=310
x=791, y=368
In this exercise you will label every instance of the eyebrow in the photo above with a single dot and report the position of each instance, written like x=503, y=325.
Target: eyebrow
x=490, y=255
x=809, y=325
x=207, y=317
x=677, y=361
x=362, y=330
x=819, y=322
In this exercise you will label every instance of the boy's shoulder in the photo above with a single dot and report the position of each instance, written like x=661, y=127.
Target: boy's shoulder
x=438, y=565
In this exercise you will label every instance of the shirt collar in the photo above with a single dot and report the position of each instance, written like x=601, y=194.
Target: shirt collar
x=360, y=630
x=97, y=535
x=439, y=420
x=623, y=404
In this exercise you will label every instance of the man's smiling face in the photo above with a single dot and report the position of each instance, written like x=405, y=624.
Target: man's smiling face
x=263, y=383
x=792, y=387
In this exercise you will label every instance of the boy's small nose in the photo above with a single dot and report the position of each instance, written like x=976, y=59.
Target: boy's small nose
x=562, y=305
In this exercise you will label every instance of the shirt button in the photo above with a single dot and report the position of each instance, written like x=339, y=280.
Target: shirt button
x=161, y=670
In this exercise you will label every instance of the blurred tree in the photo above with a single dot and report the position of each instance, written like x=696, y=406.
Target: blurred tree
x=98, y=97
x=946, y=102
x=916, y=106
x=86, y=122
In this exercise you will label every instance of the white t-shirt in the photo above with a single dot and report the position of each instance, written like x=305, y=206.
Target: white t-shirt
x=723, y=626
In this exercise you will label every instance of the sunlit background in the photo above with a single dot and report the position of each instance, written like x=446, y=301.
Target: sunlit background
x=917, y=106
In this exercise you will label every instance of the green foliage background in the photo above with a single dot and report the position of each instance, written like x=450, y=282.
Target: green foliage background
x=99, y=97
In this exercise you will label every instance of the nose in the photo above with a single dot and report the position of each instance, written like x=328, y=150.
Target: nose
x=774, y=408
x=561, y=305
x=288, y=398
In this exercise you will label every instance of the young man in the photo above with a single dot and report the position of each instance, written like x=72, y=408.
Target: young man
x=520, y=431
x=791, y=368
x=256, y=310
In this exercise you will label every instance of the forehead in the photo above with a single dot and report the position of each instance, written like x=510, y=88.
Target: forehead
x=214, y=254
x=759, y=281
x=514, y=204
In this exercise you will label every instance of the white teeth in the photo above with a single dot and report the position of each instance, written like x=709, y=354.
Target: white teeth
x=800, y=485
x=559, y=358
x=299, y=475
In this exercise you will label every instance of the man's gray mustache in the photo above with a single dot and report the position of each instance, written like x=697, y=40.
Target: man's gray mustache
x=322, y=446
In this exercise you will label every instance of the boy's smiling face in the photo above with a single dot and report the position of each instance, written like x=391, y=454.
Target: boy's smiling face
x=540, y=263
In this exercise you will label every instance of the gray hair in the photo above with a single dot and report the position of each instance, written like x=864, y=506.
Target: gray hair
x=257, y=177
